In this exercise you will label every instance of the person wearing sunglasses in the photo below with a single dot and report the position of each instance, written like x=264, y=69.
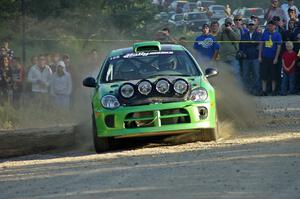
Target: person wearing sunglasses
x=249, y=48
x=228, y=38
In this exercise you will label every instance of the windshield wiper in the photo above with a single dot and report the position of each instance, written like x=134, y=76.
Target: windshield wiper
x=163, y=75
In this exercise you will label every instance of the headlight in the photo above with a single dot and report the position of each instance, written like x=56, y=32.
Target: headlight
x=199, y=95
x=180, y=86
x=162, y=86
x=110, y=102
x=127, y=90
x=144, y=87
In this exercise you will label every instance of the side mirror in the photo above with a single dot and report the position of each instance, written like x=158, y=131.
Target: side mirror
x=209, y=72
x=89, y=82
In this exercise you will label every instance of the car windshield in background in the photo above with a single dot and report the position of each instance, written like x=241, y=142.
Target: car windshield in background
x=178, y=17
x=196, y=16
x=143, y=65
x=219, y=8
x=256, y=12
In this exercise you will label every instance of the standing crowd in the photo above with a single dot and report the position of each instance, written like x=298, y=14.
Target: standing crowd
x=47, y=82
x=265, y=61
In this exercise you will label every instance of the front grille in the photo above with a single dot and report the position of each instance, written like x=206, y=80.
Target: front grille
x=156, y=118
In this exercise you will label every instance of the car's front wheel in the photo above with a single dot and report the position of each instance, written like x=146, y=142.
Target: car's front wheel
x=101, y=144
x=212, y=134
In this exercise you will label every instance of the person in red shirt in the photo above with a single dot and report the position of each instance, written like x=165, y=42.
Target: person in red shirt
x=289, y=59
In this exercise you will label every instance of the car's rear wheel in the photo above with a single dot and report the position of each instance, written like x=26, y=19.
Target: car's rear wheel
x=101, y=144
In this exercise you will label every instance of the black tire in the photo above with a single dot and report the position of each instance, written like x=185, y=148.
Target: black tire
x=208, y=135
x=101, y=144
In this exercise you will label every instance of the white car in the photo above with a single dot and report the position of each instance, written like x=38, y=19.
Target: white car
x=217, y=11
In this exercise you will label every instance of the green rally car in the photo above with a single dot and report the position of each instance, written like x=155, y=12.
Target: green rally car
x=151, y=89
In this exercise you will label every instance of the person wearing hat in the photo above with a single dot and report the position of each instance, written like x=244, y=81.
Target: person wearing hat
x=292, y=15
x=249, y=47
x=275, y=10
x=280, y=27
x=257, y=23
x=206, y=44
x=269, y=51
x=61, y=86
x=228, y=38
x=289, y=6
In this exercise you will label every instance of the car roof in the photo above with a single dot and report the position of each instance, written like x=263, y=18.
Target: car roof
x=195, y=13
x=164, y=47
x=212, y=6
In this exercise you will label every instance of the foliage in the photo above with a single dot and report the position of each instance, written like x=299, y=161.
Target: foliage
x=30, y=116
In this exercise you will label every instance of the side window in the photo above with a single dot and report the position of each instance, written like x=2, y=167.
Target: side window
x=109, y=73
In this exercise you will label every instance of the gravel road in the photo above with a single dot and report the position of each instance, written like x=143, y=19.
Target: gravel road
x=258, y=162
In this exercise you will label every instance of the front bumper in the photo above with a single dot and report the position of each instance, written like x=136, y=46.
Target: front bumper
x=158, y=119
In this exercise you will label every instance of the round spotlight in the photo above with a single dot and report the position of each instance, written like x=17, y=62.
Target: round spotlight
x=162, y=86
x=181, y=86
x=127, y=90
x=145, y=87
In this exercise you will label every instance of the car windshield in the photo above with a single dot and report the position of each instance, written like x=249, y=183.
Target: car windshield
x=133, y=66
x=218, y=8
x=256, y=12
x=196, y=16
x=178, y=17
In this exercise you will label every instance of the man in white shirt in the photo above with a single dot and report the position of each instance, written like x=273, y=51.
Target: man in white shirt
x=40, y=77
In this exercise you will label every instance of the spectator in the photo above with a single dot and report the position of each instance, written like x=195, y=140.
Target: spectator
x=40, y=77
x=164, y=36
x=292, y=16
x=61, y=86
x=229, y=48
x=250, y=61
x=269, y=51
x=9, y=51
x=288, y=35
x=18, y=77
x=214, y=28
x=279, y=25
x=34, y=60
x=55, y=59
x=74, y=76
x=94, y=59
x=49, y=59
x=257, y=22
x=275, y=10
x=2, y=52
x=289, y=59
x=206, y=44
x=289, y=5
x=227, y=11
x=238, y=21
x=5, y=80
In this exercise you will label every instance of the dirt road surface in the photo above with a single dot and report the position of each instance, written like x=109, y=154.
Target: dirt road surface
x=261, y=162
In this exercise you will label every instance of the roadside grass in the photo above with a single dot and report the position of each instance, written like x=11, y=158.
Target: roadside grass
x=31, y=116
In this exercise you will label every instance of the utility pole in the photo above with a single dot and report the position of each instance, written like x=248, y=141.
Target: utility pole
x=23, y=8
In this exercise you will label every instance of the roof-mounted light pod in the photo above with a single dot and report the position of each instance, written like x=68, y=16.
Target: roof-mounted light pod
x=147, y=46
